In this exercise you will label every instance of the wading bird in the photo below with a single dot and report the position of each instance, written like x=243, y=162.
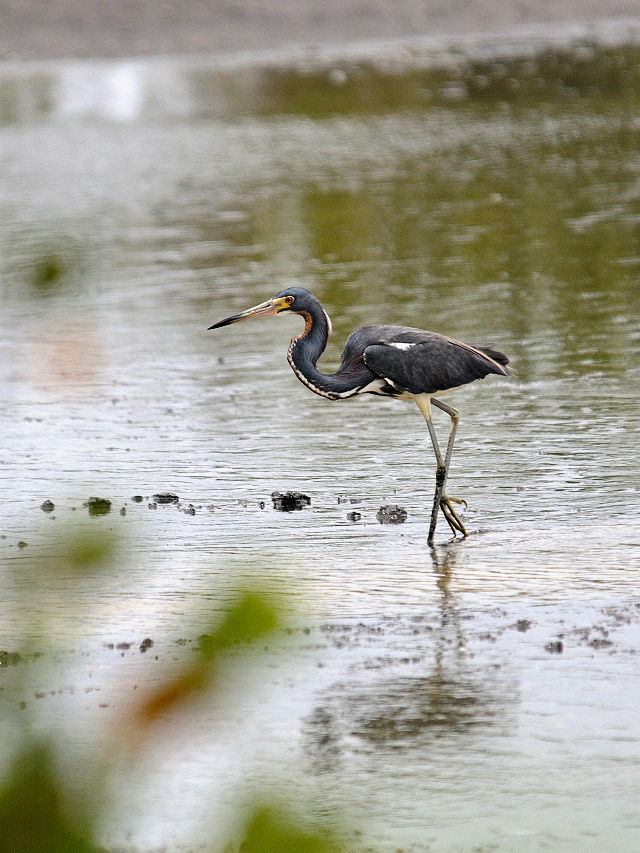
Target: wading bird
x=391, y=361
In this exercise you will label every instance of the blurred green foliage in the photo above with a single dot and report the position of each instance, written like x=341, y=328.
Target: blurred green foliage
x=252, y=616
x=42, y=809
x=36, y=812
x=270, y=830
x=88, y=551
x=47, y=271
x=44, y=265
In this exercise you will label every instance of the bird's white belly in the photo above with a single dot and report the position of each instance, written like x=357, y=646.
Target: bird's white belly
x=378, y=384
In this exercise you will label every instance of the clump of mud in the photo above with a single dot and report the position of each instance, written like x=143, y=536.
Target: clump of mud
x=98, y=506
x=289, y=501
x=391, y=514
x=166, y=498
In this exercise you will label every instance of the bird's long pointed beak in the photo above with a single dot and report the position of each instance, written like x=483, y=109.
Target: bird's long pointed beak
x=265, y=309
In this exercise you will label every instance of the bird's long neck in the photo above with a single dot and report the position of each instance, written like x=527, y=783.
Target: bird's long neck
x=305, y=350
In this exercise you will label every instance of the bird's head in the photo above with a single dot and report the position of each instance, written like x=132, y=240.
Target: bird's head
x=295, y=299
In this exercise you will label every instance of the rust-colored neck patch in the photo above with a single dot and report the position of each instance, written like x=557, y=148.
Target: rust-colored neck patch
x=308, y=323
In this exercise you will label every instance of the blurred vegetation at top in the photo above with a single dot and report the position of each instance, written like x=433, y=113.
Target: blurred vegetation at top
x=556, y=78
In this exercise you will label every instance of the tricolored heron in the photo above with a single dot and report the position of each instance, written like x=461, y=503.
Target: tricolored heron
x=391, y=361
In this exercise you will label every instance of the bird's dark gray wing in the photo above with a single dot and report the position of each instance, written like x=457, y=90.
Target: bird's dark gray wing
x=426, y=362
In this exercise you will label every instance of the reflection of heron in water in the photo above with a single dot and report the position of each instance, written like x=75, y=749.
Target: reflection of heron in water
x=418, y=687
x=443, y=563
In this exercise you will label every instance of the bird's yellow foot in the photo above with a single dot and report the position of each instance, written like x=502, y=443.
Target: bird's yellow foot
x=453, y=519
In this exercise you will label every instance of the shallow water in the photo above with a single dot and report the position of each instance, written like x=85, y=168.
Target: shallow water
x=141, y=202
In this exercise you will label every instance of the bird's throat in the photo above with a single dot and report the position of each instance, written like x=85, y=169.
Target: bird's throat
x=303, y=354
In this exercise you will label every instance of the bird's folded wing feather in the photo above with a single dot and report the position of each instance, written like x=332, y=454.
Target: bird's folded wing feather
x=433, y=363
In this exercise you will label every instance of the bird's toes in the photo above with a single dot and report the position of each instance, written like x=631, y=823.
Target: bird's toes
x=453, y=519
x=451, y=500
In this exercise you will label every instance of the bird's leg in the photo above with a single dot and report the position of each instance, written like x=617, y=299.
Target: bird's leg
x=445, y=501
x=440, y=499
x=441, y=475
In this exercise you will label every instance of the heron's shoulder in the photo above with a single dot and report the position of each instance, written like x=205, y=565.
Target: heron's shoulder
x=390, y=335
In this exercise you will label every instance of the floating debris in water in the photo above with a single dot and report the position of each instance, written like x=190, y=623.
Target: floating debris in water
x=555, y=648
x=98, y=506
x=353, y=516
x=137, y=499
x=146, y=644
x=47, y=506
x=289, y=501
x=391, y=514
x=600, y=643
x=9, y=658
x=165, y=498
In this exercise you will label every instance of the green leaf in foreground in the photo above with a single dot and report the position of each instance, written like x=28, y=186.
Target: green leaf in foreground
x=270, y=830
x=250, y=618
x=35, y=814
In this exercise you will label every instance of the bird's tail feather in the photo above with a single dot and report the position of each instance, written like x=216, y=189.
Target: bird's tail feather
x=497, y=356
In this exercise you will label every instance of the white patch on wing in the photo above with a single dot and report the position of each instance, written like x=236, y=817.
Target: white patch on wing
x=400, y=345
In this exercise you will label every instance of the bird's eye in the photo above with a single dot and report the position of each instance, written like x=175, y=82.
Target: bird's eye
x=289, y=300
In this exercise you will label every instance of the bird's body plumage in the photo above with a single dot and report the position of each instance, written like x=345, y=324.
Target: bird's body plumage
x=390, y=361
x=413, y=361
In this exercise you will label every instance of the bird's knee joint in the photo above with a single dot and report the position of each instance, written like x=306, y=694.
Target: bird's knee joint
x=441, y=473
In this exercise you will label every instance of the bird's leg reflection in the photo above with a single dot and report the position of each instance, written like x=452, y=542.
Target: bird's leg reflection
x=443, y=564
x=441, y=501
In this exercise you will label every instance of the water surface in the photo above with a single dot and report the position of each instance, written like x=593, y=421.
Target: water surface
x=497, y=201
